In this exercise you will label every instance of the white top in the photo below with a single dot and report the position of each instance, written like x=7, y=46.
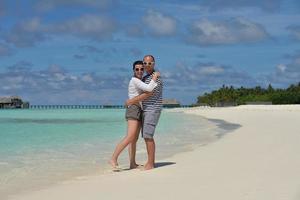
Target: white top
x=137, y=87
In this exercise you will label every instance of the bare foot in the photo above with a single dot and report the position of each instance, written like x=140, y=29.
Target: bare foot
x=148, y=167
x=134, y=166
x=113, y=163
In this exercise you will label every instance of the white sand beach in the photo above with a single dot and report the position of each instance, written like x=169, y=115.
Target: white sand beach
x=258, y=161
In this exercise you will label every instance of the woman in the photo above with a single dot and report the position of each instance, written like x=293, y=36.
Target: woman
x=133, y=115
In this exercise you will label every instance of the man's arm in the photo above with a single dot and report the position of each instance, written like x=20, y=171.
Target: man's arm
x=137, y=99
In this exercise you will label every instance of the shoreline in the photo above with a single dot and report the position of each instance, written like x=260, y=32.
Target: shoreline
x=169, y=146
x=255, y=161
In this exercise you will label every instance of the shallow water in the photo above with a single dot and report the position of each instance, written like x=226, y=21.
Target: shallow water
x=42, y=147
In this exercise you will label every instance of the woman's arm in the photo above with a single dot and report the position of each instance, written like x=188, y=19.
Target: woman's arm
x=143, y=86
x=147, y=87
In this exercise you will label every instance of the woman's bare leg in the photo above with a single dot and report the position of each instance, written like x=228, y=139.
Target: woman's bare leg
x=132, y=149
x=132, y=126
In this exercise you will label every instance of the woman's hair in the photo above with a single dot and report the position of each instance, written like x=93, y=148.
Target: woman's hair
x=138, y=62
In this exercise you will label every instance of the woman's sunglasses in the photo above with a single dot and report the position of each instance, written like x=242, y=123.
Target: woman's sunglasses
x=139, y=69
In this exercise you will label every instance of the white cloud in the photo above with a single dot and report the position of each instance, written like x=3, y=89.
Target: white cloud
x=54, y=69
x=235, y=30
x=159, y=24
x=87, y=78
x=30, y=32
x=40, y=86
x=206, y=74
x=26, y=33
x=211, y=70
x=285, y=74
x=281, y=67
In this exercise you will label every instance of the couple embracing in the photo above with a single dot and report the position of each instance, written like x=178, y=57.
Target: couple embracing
x=143, y=110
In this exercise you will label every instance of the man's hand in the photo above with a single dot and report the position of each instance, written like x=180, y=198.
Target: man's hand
x=155, y=75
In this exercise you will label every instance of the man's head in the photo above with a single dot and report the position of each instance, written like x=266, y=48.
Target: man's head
x=138, y=69
x=149, y=63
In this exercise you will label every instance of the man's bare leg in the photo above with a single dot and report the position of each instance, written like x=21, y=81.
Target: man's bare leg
x=150, y=145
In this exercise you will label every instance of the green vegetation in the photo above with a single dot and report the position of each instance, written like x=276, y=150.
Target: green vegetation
x=239, y=96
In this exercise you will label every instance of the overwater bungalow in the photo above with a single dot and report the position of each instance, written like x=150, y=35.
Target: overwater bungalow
x=13, y=102
x=170, y=103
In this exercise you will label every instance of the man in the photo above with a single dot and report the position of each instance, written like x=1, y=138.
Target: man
x=152, y=106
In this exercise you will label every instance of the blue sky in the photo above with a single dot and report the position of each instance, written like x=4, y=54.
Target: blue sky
x=81, y=51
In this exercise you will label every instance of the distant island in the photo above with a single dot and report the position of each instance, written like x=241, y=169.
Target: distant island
x=230, y=96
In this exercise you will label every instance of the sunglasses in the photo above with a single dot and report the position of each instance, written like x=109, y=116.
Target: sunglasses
x=139, y=69
x=148, y=63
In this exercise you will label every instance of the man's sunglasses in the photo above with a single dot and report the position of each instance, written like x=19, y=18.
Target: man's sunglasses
x=148, y=63
x=139, y=69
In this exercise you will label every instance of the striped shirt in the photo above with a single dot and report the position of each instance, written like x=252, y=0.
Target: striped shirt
x=154, y=102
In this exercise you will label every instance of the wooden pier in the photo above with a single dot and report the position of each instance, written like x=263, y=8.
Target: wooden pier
x=76, y=106
x=87, y=106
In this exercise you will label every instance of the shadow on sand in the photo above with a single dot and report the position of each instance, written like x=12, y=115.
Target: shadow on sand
x=162, y=164
x=157, y=165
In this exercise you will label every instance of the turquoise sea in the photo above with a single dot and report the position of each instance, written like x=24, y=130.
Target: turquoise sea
x=40, y=147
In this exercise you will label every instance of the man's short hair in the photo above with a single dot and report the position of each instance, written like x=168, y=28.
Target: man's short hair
x=150, y=56
x=138, y=62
